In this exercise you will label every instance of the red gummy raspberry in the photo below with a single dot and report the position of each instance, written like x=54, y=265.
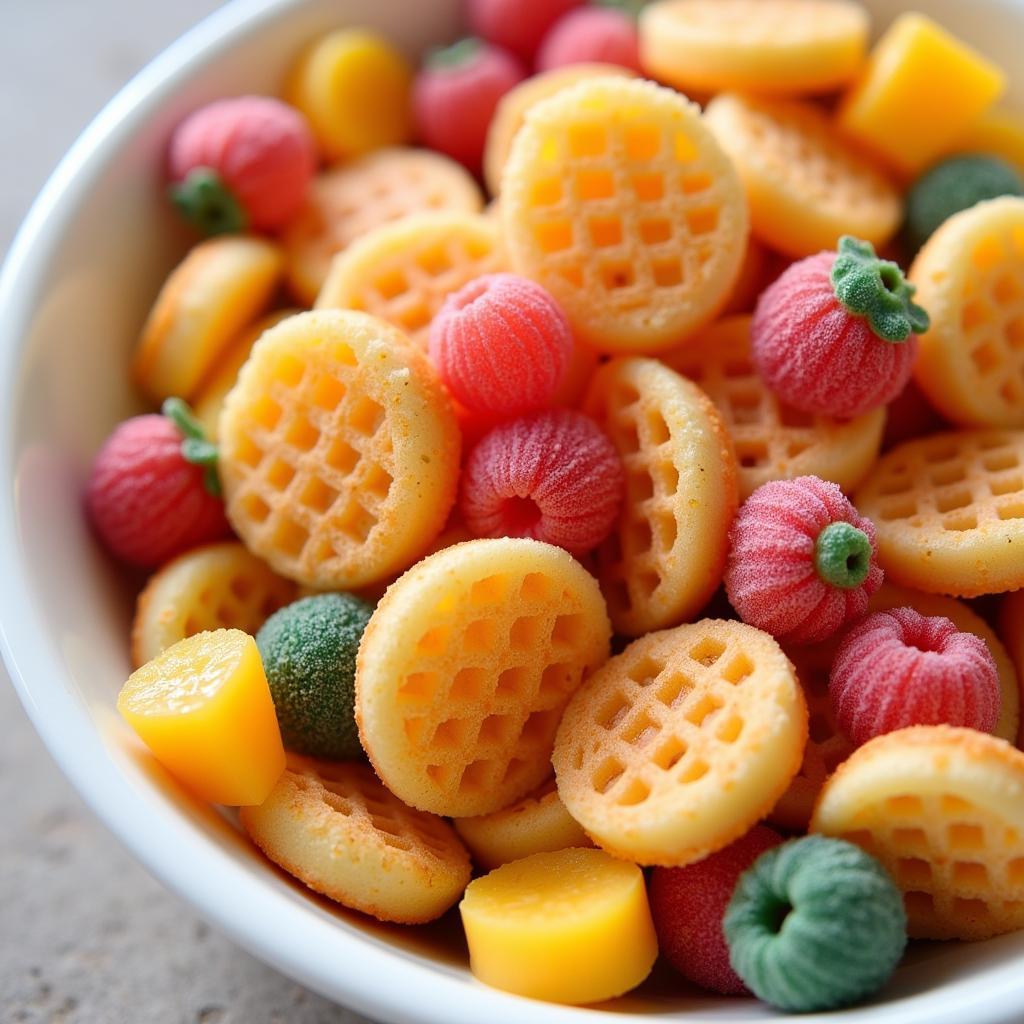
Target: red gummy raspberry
x=898, y=668
x=517, y=25
x=591, y=34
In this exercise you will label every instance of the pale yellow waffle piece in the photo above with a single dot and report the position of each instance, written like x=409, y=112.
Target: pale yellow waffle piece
x=466, y=666
x=769, y=47
x=403, y=272
x=538, y=823
x=773, y=440
x=217, y=290
x=665, y=557
x=346, y=202
x=943, y=810
x=338, y=830
x=339, y=450
x=680, y=744
x=618, y=199
x=970, y=278
x=949, y=511
x=217, y=586
x=806, y=185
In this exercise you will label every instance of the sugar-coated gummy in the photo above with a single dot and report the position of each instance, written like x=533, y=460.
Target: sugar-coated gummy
x=591, y=34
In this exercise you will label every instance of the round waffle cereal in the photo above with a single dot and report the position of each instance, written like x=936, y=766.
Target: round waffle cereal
x=806, y=186
x=539, y=823
x=339, y=451
x=943, y=810
x=769, y=47
x=217, y=290
x=217, y=586
x=346, y=202
x=773, y=440
x=466, y=666
x=403, y=271
x=618, y=200
x=665, y=558
x=338, y=830
x=680, y=744
x=970, y=278
x=949, y=510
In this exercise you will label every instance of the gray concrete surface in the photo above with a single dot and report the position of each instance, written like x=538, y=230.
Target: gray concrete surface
x=86, y=936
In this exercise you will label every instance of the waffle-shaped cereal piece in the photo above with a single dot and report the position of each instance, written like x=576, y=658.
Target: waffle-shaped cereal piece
x=773, y=440
x=217, y=290
x=339, y=451
x=681, y=743
x=217, y=586
x=970, y=278
x=618, y=200
x=806, y=186
x=466, y=666
x=403, y=272
x=949, y=511
x=769, y=47
x=666, y=556
x=338, y=830
x=941, y=809
x=346, y=202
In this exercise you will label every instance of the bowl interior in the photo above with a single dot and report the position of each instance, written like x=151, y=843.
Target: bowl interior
x=76, y=288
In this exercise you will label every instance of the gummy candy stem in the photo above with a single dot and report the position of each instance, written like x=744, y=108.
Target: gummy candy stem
x=207, y=203
x=195, y=447
x=842, y=555
x=876, y=290
x=458, y=55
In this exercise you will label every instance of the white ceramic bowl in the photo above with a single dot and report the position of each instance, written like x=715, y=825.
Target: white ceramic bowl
x=78, y=281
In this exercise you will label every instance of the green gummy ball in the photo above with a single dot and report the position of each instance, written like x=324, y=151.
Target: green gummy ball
x=309, y=655
x=815, y=924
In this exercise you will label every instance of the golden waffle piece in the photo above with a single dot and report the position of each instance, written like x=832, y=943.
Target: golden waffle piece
x=339, y=450
x=941, y=808
x=217, y=586
x=680, y=744
x=466, y=666
x=970, y=278
x=346, y=202
x=805, y=184
x=1011, y=632
x=949, y=510
x=773, y=440
x=618, y=200
x=403, y=271
x=665, y=558
x=338, y=830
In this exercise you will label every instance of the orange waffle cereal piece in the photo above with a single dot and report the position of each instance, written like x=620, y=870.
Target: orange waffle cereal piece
x=680, y=744
x=665, y=558
x=346, y=202
x=768, y=47
x=806, y=186
x=339, y=451
x=773, y=440
x=620, y=202
x=941, y=809
x=403, y=272
x=970, y=278
x=949, y=511
x=338, y=830
x=217, y=290
x=756, y=273
x=466, y=666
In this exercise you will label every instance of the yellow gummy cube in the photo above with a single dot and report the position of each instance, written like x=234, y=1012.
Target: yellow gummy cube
x=996, y=133
x=922, y=88
x=572, y=926
x=203, y=707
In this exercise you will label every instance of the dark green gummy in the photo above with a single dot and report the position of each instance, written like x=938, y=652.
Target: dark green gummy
x=207, y=204
x=842, y=555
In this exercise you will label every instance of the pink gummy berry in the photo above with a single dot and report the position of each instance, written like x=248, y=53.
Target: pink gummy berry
x=591, y=34
x=553, y=476
x=836, y=334
x=455, y=94
x=240, y=164
x=802, y=560
x=517, y=25
x=153, y=492
x=898, y=668
x=688, y=905
x=502, y=345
